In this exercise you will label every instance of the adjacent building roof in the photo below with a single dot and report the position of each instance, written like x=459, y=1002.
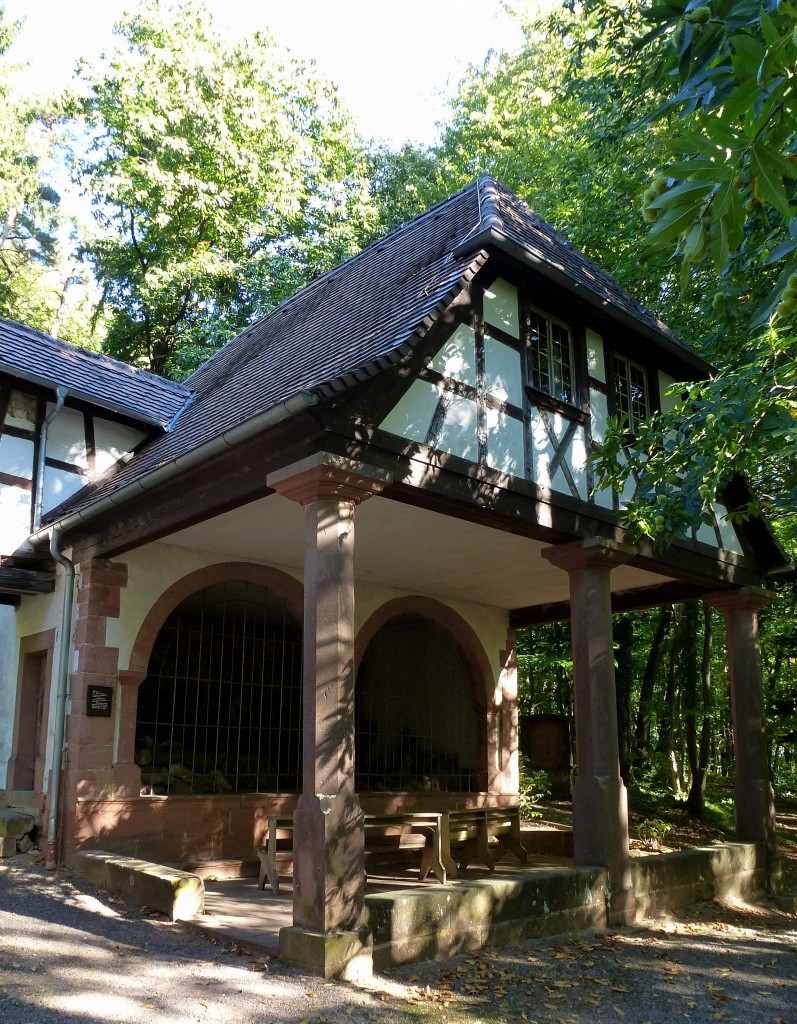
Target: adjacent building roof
x=36, y=357
x=362, y=317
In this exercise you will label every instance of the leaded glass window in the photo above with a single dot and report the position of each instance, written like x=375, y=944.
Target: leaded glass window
x=630, y=393
x=551, y=356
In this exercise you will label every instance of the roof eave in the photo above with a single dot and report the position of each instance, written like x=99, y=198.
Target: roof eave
x=47, y=382
x=404, y=344
x=168, y=470
x=491, y=236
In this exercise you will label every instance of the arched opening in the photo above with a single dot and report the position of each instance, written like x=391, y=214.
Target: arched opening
x=220, y=708
x=418, y=723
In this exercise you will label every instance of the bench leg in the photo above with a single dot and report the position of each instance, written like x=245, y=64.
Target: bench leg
x=476, y=848
x=431, y=860
x=512, y=843
x=261, y=882
x=270, y=860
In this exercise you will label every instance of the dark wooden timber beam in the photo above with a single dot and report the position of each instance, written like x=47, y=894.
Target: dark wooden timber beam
x=627, y=601
x=25, y=581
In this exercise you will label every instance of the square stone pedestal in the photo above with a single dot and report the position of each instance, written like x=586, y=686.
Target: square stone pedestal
x=346, y=955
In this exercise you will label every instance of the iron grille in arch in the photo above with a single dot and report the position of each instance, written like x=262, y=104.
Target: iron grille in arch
x=220, y=708
x=417, y=726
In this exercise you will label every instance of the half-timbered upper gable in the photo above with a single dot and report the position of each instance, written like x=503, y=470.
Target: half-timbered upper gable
x=526, y=383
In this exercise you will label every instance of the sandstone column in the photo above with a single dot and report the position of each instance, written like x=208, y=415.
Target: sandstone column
x=600, y=801
x=90, y=738
x=754, y=799
x=328, y=934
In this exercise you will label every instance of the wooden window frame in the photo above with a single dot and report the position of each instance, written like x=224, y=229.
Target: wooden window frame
x=542, y=395
x=634, y=420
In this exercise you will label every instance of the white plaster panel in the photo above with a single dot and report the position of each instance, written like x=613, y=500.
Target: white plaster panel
x=412, y=415
x=604, y=498
x=112, y=441
x=501, y=307
x=505, y=443
x=502, y=371
x=559, y=424
x=457, y=358
x=706, y=535
x=576, y=459
x=542, y=451
x=599, y=412
x=66, y=437
x=16, y=456
x=21, y=411
x=8, y=685
x=596, y=361
x=665, y=383
x=629, y=488
x=59, y=485
x=14, y=517
x=458, y=435
x=730, y=538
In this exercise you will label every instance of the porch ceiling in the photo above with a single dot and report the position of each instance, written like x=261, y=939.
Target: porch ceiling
x=412, y=549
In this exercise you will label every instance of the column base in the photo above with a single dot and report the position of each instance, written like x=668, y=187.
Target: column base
x=621, y=907
x=346, y=955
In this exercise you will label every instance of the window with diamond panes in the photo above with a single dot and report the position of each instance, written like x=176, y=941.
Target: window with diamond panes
x=630, y=393
x=551, y=356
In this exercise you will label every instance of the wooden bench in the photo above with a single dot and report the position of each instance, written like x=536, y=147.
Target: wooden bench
x=384, y=833
x=484, y=834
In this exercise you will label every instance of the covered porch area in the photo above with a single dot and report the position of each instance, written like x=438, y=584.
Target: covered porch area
x=415, y=556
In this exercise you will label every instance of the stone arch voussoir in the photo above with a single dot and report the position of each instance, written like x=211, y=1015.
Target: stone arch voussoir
x=222, y=572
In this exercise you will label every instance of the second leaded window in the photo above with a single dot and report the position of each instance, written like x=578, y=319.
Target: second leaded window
x=630, y=393
x=550, y=356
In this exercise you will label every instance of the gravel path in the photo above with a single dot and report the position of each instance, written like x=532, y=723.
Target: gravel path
x=72, y=955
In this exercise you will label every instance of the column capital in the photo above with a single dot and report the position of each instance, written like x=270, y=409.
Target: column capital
x=590, y=553
x=324, y=475
x=740, y=599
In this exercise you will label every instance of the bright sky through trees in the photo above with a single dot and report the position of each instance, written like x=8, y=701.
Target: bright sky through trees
x=391, y=62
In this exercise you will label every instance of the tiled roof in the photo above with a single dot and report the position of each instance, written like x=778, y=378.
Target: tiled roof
x=356, y=320
x=504, y=214
x=108, y=383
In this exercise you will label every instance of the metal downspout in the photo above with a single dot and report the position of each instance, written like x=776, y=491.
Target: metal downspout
x=60, y=398
x=64, y=650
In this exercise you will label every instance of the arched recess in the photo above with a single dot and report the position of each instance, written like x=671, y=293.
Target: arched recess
x=423, y=700
x=230, y=634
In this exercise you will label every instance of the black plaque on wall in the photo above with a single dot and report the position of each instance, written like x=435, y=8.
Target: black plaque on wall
x=98, y=701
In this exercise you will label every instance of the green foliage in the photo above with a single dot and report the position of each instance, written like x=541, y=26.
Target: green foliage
x=545, y=670
x=731, y=76
x=723, y=204
x=33, y=276
x=651, y=832
x=223, y=176
x=534, y=785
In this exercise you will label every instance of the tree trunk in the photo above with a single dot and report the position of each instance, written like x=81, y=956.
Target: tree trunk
x=667, y=726
x=652, y=666
x=624, y=645
x=696, y=801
